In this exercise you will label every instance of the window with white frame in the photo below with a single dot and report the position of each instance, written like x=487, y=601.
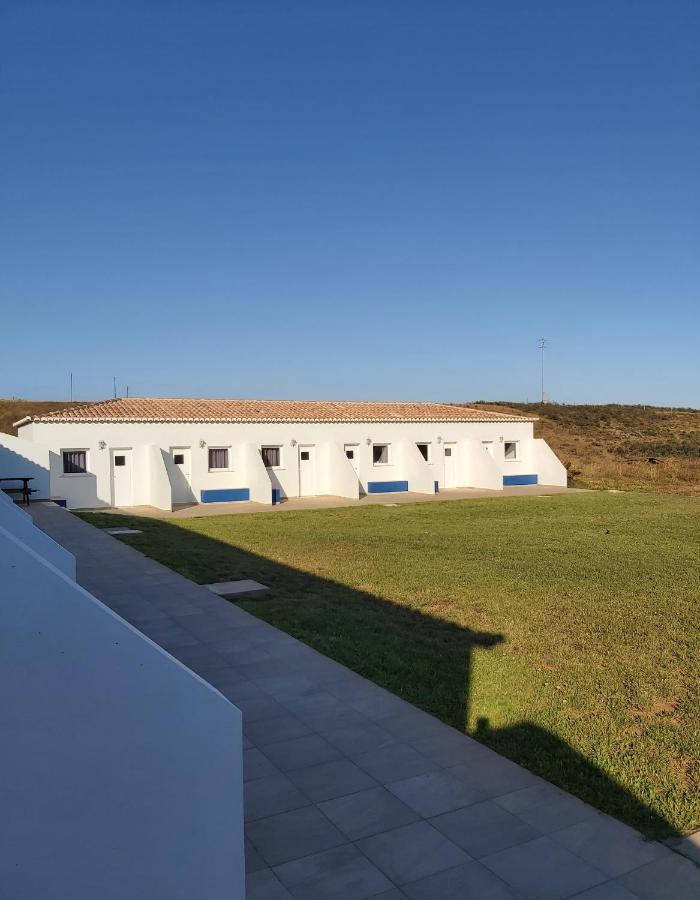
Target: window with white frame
x=424, y=450
x=218, y=458
x=271, y=456
x=74, y=462
x=510, y=450
x=380, y=454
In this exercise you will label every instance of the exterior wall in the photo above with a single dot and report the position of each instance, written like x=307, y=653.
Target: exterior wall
x=22, y=457
x=20, y=524
x=483, y=470
x=122, y=769
x=94, y=490
x=336, y=475
x=419, y=474
x=546, y=463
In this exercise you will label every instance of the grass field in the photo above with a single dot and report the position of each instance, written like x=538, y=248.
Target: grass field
x=561, y=631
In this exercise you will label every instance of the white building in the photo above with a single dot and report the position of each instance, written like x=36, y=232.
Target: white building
x=161, y=452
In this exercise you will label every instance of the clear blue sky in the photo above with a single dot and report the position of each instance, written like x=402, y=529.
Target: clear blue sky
x=351, y=199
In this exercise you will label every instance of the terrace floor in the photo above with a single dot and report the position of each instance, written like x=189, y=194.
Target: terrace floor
x=350, y=791
x=197, y=510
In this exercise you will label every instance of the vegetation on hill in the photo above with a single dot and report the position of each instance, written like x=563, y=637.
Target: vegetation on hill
x=650, y=448
x=14, y=410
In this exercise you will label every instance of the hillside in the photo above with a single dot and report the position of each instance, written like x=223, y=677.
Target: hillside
x=621, y=447
x=14, y=410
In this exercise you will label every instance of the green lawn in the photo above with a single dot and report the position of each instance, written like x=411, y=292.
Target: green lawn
x=561, y=631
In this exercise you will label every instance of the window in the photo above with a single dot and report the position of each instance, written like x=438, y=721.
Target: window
x=380, y=454
x=350, y=454
x=424, y=450
x=448, y=451
x=179, y=459
x=304, y=454
x=271, y=457
x=74, y=462
x=218, y=457
x=510, y=449
x=120, y=460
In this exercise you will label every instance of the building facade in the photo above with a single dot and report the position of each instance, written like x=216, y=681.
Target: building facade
x=164, y=452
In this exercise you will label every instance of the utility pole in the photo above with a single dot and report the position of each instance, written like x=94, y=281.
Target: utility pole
x=114, y=380
x=542, y=345
x=71, y=387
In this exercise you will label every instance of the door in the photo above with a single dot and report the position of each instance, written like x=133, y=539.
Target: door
x=352, y=451
x=450, y=477
x=122, y=481
x=180, y=473
x=307, y=471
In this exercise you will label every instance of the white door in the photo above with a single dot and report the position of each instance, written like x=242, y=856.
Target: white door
x=488, y=447
x=450, y=451
x=352, y=451
x=307, y=471
x=122, y=487
x=180, y=460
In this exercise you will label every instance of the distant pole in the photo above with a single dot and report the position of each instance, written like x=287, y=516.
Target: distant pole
x=127, y=390
x=71, y=387
x=542, y=345
x=114, y=380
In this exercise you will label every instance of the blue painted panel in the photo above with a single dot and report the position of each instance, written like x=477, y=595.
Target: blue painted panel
x=386, y=487
x=519, y=479
x=437, y=487
x=224, y=495
x=276, y=495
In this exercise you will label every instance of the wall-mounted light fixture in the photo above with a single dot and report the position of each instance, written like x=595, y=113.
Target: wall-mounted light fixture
x=439, y=439
x=369, y=441
x=202, y=444
x=501, y=439
x=293, y=442
x=102, y=445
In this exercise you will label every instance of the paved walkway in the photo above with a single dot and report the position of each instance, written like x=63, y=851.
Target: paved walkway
x=197, y=510
x=353, y=793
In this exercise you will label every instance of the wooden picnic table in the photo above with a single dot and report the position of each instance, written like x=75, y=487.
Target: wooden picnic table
x=25, y=489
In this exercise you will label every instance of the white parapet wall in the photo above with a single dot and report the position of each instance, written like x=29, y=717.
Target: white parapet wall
x=24, y=459
x=19, y=523
x=549, y=469
x=160, y=492
x=336, y=475
x=420, y=476
x=122, y=769
x=482, y=469
x=256, y=475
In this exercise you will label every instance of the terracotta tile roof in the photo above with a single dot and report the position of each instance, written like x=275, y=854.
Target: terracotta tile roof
x=153, y=409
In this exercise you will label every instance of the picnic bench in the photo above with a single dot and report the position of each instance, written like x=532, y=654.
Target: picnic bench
x=25, y=490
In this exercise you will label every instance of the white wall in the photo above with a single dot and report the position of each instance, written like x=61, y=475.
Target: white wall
x=419, y=474
x=20, y=524
x=546, y=463
x=160, y=492
x=24, y=458
x=256, y=476
x=482, y=470
x=93, y=490
x=121, y=769
x=336, y=475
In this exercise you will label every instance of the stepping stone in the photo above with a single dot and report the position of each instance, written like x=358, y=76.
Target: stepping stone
x=244, y=588
x=122, y=531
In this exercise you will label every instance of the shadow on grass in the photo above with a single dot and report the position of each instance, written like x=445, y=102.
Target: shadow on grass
x=423, y=659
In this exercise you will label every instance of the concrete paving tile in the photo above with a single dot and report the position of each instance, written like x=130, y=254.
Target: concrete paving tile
x=471, y=880
x=302, y=752
x=609, y=845
x=331, y=779
x=253, y=861
x=271, y=795
x=611, y=890
x=354, y=739
x=672, y=878
x=546, y=807
x=394, y=762
x=543, y=870
x=484, y=828
x=264, y=885
x=342, y=872
x=293, y=835
x=412, y=724
x=368, y=812
x=412, y=852
x=276, y=729
x=450, y=748
x=434, y=793
x=494, y=775
x=199, y=656
x=257, y=765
